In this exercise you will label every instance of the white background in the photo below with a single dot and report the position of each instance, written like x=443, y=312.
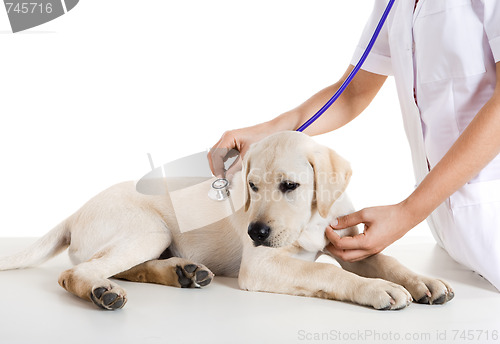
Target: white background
x=85, y=97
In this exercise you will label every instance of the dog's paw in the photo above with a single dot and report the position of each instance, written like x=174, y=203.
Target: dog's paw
x=109, y=298
x=193, y=276
x=384, y=295
x=430, y=291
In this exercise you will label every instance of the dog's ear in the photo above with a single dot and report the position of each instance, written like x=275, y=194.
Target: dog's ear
x=331, y=176
x=244, y=172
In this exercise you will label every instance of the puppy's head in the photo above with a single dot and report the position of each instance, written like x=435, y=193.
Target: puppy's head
x=288, y=177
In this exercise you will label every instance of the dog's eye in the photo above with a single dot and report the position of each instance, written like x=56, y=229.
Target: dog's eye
x=253, y=187
x=287, y=186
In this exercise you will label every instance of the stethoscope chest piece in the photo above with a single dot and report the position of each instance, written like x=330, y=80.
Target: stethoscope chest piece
x=219, y=190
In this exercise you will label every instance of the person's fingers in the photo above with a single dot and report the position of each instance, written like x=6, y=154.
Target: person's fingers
x=349, y=255
x=332, y=236
x=218, y=152
x=357, y=242
x=231, y=154
x=217, y=166
x=349, y=220
x=235, y=167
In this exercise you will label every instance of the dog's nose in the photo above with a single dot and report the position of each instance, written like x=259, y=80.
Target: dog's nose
x=259, y=232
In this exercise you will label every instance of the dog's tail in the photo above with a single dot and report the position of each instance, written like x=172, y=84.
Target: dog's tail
x=51, y=244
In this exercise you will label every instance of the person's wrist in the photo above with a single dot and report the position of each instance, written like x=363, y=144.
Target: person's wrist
x=412, y=211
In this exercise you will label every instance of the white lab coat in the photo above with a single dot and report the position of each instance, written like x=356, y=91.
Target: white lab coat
x=445, y=51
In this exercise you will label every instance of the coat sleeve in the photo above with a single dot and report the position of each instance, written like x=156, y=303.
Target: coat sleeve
x=492, y=26
x=379, y=59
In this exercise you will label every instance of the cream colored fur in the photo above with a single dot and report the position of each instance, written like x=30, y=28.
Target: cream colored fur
x=122, y=233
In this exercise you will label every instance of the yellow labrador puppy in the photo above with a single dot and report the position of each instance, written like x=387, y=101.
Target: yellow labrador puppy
x=293, y=187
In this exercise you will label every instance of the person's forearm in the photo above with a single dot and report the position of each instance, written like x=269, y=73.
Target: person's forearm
x=474, y=149
x=353, y=101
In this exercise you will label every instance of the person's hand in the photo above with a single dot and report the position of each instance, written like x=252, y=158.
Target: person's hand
x=383, y=226
x=239, y=139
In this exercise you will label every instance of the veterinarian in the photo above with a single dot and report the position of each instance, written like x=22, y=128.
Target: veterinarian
x=444, y=55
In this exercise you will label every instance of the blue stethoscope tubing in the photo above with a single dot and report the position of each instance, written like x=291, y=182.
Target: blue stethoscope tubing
x=353, y=72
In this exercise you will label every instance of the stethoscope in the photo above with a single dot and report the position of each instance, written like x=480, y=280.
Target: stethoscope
x=220, y=187
x=219, y=190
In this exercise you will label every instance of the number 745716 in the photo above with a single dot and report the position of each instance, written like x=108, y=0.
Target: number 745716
x=29, y=7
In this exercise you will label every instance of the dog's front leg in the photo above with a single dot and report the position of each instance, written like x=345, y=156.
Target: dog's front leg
x=275, y=270
x=423, y=289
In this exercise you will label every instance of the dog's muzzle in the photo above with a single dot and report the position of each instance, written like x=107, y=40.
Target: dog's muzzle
x=259, y=232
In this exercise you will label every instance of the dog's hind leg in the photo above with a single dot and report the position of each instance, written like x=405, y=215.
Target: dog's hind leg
x=174, y=271
x=90, y=280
